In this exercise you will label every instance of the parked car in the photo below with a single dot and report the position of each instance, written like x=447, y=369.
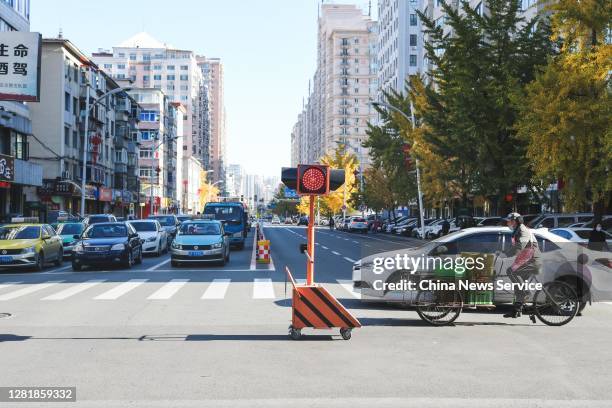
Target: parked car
x=388, y=227
x=107, y=244
x=606, y=223
x=288, y=220
x=403, y=227
x=416, y=231
x=435, y=231
x=491, y=222
x=559, y=220
x=357, y=224
x=99, y=218
x=303, y=221
x=579, y=235
x=200, y=241
x=154, y=235
x=276, y=220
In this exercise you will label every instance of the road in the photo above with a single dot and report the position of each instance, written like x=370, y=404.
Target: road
x=157, y=336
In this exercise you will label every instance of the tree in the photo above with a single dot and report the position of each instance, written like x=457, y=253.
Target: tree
x=566, y=113
x=468, y=109
x=378, y=193
x=281, y=205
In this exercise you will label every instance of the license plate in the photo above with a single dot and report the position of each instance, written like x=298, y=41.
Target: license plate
x=196, y=253
x=6, y=259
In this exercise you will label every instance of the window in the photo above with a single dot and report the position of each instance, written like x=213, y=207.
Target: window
x=184, y=87
x=170, y=77
x=413, y=19
x=170, y=67
x=184, y=77
x=67, y=136
x=132, y=57
x=75, y=106
x=120, y=66
x=147, y=67
x=108, y=66
x=21, y=146
x=148, y=116
x=146, y=153
x=413, y=60
x=413, y=40
x=75, y=139
x=184, y=67
x=157, y=67
x=146, y=172
x=157, y=77
x=67, y=100
x=145, y=77
x=121, y=55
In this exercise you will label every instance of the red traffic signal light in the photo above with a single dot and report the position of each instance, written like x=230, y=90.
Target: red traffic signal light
x=313, y=179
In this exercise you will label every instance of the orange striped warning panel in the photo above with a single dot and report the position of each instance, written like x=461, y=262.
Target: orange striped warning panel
x=314, y=306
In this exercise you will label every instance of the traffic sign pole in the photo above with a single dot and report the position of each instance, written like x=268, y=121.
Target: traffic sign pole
x=311, y=243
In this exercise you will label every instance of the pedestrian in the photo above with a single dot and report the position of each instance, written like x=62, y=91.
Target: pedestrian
x=597, y=239
x=445, y=227
x=331, y=222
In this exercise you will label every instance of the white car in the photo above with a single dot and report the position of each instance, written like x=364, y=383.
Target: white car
x=276, y=220
x=154, y=235
x=434, y=231
x=579, y=235
x=559, y=262
x=358, y=224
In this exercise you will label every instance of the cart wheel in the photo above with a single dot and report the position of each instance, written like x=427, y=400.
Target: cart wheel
x=346, y=333
x=294, y=333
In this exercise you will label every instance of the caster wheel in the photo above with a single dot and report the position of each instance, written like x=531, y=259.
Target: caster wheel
x=346, y=333
x=532, y=318
x=294, y=333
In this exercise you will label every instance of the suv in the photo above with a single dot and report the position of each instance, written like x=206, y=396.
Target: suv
x=559, y=220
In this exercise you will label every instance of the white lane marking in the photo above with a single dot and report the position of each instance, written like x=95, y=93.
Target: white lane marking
x=324, y=247
x=336, y=253
x=216, y=289
x=73, y=290
x=168, y=290
x=194, y=270
x=356, y=242
x=346, y=239
x=348, y=285
x=253, y=265
x=349, y=259
x=263, y=289
x=316, y=243
x=27, y=290
x=8, y=284
x=158, y=265
x=52, y=271
x=121, y=290
x=271, y=266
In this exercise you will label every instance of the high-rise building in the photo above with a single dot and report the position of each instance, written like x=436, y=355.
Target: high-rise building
x=212, y=71
x=19, y=195
x=338, y=107
x=149, y=63
x=400, y=43
x=68, y=77
x=235, y=179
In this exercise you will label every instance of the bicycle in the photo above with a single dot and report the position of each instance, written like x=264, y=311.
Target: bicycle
x=555, y=304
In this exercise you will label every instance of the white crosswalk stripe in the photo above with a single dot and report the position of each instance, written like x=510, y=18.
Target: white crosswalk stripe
x=217, y=289
x=121, y=290
x=8, y=284
x=73, y=290
x=27, y=290
x=263, y=289
x=169, y=289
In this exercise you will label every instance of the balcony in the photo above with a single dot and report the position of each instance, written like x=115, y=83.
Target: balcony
x=121, y=168
x=120, y=142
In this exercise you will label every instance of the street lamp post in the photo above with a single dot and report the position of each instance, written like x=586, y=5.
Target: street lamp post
x=88, y=108
x=418, y=173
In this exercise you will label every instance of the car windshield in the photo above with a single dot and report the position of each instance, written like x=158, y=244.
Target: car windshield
x=182, y=218
x=70, y=229
x=106, y=231
x=144, y=226
x=194, y=228
x=358, y=220
x=224, y=212
x=166, y=221
x=95, y=219
x=10, y=233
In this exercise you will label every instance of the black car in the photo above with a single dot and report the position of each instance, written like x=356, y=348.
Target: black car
x=108, y=243
x=98, y=218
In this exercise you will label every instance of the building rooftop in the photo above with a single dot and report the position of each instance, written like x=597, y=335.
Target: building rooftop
x=142, y=40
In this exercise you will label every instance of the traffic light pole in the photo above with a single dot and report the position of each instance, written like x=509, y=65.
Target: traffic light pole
x=311, y=243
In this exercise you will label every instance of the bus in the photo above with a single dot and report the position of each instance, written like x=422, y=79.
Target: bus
x=235, y=217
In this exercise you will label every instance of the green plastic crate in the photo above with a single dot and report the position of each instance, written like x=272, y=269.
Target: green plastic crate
x=480, y=297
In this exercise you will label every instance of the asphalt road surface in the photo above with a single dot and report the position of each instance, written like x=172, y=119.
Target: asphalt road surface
x=157, y=336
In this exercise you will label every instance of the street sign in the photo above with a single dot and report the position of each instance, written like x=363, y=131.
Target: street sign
x=20, y=66
x=291, y=193
x=344, y=208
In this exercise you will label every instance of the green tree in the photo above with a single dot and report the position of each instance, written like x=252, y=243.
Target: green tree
x=566, y=112
x=468, y=108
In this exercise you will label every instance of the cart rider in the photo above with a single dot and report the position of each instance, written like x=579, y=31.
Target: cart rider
x=522, y=238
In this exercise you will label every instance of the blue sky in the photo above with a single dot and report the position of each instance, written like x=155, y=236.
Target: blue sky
x=268, y=48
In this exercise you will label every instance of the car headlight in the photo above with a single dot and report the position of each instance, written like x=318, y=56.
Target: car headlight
x=118, y=247
x=176, y=246
x=152, y=239
x=78, y=248
x=29, y=250
x=217, y=245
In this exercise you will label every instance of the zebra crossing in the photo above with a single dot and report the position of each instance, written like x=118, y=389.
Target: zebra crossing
x=103, y=290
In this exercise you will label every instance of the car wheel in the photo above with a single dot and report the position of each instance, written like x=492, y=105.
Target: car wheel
x=40, y=262
x=139, y=259
x=159, y=250
x=60, y=258
x=227, y=257
x=77, y=267
x=223, y=261
x=130, y=260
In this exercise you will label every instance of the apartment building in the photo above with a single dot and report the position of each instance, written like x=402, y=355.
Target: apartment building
x=212, y=72
x=68, y=76
x=18, y=195
x=400, y=44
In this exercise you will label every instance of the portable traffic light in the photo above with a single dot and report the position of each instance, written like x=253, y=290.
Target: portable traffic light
x=313, y=179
